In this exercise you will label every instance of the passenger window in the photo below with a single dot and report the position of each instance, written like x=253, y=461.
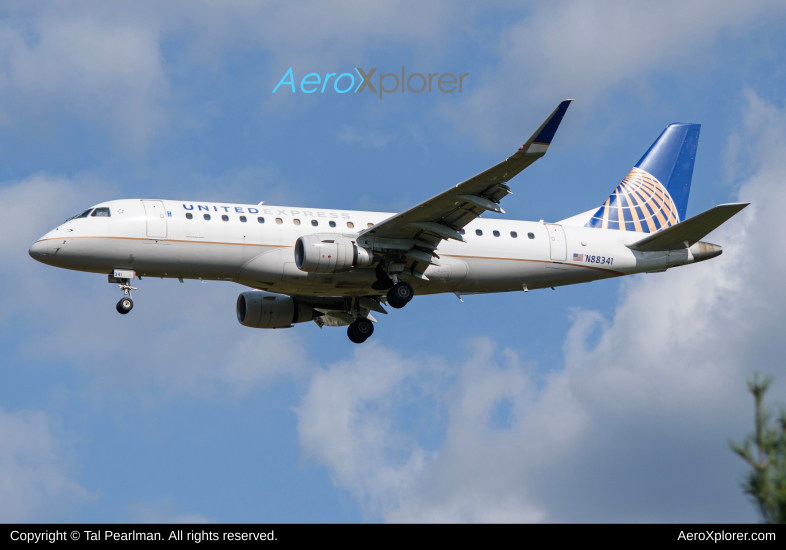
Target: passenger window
x=243, y=219
x=369, y=225
x=496, y=233
x=531, y=235
x=461, y=232
x=206, y=216
x=314, y=223
x=350, y=225
x=189, y=216
x=225, y=218
x=261, y=220
x=332, y=224
x=478, y=232
x=279, y=221
x=102, y=212
x=296, y=221
x=514, y=234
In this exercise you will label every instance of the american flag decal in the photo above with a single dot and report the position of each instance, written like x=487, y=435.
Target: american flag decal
x=578, y=257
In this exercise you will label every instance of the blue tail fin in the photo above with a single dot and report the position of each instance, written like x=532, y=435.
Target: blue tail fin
x=654, y=195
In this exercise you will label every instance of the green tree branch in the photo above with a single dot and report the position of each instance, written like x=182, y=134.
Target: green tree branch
x=765, y=452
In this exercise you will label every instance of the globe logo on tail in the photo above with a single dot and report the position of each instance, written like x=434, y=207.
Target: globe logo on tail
x=640, y=203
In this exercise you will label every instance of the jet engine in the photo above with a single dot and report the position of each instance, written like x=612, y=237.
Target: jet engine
x=330, y=254
x=259, y=309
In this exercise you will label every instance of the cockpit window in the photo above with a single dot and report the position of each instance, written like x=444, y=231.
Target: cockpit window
x=101, y=213
x=84, y=214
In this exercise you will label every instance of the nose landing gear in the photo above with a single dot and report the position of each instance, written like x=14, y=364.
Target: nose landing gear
x=125, y=304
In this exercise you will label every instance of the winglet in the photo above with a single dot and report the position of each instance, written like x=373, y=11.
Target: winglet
x=539, y=142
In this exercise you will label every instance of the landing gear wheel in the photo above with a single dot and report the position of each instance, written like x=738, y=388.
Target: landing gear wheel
x=363, y=328
x=400, y=294
x=360, y=330
x=352, y=336
x=124, y=305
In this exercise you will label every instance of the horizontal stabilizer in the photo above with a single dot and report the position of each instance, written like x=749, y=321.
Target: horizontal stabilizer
x=686, y=234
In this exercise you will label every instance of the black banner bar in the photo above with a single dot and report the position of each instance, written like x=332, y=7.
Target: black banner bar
x=85, y=534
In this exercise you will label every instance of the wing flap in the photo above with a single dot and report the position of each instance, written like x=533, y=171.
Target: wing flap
x=686, y=234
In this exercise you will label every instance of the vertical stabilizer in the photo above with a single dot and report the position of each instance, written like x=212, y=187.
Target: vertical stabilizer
x=654, y=194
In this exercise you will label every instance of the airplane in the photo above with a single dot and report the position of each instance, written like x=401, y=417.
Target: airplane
x=339, y=267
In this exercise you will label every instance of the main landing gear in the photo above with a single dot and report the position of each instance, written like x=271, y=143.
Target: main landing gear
x=125, y=304
x=400, y=295
x=360, y=330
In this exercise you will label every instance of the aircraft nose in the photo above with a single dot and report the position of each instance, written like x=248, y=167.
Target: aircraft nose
x=38, y=250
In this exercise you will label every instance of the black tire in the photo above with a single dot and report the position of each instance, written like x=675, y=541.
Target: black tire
x=362, y=328
x=393, y=301
x=354, y=339
x=400, y=294
x=125, y=305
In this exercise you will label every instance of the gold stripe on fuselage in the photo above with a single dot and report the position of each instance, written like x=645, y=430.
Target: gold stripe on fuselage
x=287, y=246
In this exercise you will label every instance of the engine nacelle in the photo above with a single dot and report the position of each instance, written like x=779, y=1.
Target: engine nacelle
x=325, y=253
x=259, y=309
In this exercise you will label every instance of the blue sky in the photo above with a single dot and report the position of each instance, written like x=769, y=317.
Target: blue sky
x=612, y=401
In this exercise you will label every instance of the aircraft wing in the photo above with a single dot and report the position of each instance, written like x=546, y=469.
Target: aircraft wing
x=418, y=231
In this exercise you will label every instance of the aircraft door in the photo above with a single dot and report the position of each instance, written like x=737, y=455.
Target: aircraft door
x=156, y=219
x=559, y=246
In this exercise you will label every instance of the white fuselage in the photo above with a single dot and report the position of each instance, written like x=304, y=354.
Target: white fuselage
x=156, y=239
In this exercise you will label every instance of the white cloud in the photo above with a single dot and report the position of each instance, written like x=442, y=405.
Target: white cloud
x=193, y=343
x=114, y=65
x=351, y=135
x=345, y=422
x=40, y=203
x=590, y=50
x=305, y=33
x=632, y=428
x=25, y=224
x=105, y=69
x=33, y=480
